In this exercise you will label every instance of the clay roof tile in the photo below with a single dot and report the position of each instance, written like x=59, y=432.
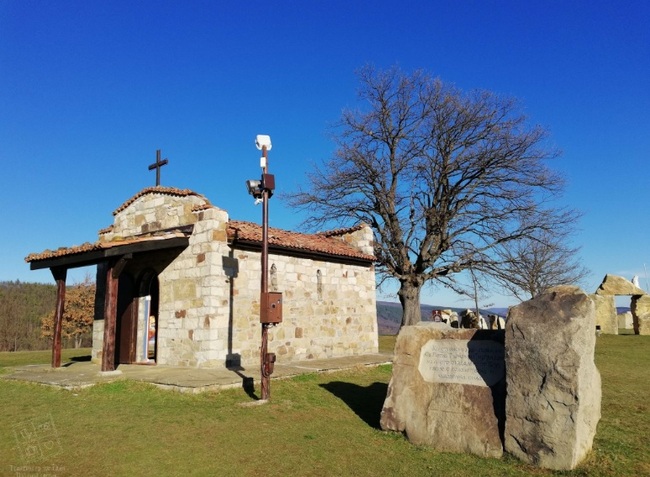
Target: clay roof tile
x=320, y=243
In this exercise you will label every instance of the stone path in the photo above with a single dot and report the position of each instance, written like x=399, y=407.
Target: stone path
x=79, y=375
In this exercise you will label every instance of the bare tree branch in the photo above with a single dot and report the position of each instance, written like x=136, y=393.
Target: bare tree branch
x=526, y=267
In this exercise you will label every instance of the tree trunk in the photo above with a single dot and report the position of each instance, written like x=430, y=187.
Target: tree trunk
x=409, y=297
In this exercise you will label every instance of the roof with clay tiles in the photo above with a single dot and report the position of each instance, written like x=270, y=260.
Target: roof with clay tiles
x=339, y=232
x=100, y=246
x=173, y=191
x=321, y=243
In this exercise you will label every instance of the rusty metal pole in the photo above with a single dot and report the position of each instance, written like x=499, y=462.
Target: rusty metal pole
x=264, y=286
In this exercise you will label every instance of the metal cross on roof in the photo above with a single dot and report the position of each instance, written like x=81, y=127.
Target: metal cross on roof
x=157, y=165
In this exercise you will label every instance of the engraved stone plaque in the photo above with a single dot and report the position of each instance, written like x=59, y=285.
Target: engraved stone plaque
x=473, y=362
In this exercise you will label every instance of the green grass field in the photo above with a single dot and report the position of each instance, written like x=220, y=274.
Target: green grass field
x=315, y=425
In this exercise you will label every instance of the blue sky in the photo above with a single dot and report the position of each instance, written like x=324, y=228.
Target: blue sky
x=89, y=90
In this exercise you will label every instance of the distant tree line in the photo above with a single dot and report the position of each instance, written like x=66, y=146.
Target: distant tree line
x=27, y=315
x=22, y=305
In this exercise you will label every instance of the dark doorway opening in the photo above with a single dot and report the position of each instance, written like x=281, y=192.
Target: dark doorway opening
x=150, y=289
x=126, y=326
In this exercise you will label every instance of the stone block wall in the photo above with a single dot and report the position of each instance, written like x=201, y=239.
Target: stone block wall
x=361, y=239
x=152, y=212
x=98, y=340
x=209, y=304
x=329, y=309
x=195, y=298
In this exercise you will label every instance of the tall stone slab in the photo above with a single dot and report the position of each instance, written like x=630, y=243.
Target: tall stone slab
x=625, y=320
x=641, y=314
x=448, y=389
x=606, y=317
x=554, y=389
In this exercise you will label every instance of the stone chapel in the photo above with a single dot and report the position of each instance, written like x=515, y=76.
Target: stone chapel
x=178, y=284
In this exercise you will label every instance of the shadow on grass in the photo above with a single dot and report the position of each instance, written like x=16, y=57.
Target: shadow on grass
x=247, y=383
x=77, y=359
x=366, y=402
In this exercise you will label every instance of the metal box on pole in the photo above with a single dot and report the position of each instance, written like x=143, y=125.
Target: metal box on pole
x=271, y=308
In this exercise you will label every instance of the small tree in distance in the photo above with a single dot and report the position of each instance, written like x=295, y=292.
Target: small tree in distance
x=443, y=177
x=77, y=315
x=528, y=266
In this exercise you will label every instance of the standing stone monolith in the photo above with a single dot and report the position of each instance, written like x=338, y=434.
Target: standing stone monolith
x=448, y=389
x=641, y=314
x=554, y=388
x=606, y=313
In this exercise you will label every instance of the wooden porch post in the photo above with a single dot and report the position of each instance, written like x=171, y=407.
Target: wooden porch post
x=59, y=275
x=110, y=319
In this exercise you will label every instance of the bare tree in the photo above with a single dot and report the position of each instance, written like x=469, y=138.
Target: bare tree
x=476, y=289
x=530, y=265
x=442, y=177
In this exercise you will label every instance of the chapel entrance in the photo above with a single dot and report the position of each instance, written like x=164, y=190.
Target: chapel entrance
x=150, y=289
x=127, y=324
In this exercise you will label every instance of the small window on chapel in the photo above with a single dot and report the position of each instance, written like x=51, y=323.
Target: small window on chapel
x=319, y=284
x=274, y=278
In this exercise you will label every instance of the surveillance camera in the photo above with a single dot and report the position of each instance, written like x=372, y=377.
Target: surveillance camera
x=254, y=188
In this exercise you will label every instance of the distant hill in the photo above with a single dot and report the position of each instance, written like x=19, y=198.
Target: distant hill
x=389, y=315
x=503, y=312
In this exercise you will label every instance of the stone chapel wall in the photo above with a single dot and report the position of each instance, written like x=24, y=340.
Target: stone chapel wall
x=151, y=212
x=210, y=304
x=329, y=309
x=195, y=298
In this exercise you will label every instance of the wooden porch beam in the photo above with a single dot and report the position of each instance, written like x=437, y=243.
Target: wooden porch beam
x=121, y=263
x=59, y=275
x=110, y=318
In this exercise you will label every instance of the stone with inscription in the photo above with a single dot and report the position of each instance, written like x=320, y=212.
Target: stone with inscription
x=478, y=363
x=554, y=388
x=447, y=390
